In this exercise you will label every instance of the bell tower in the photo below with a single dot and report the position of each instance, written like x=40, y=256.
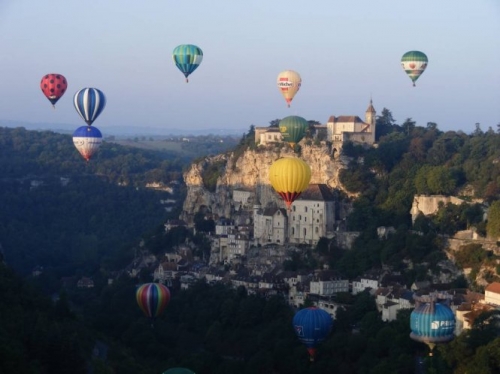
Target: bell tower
x=370, y=118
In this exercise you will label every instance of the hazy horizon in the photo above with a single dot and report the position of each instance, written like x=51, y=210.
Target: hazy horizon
x=346, y=53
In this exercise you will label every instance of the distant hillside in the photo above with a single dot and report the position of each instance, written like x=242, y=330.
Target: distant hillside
x=65, y=215
x=124, y=131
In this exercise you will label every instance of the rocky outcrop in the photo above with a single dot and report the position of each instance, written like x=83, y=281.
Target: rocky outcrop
x=249, y=171
x=428, y=205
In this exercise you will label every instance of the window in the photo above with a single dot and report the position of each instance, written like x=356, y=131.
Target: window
x=316, y=230
x=305, y=209
x=305, y=219
x=305, y=232
x=294, y=208
x=293, y=230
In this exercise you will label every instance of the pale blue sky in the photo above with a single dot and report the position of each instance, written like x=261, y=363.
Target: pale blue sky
x=345, y=51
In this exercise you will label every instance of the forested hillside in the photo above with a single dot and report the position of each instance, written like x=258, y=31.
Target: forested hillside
x=75, y=218
x=79, y=219
x=412, y=160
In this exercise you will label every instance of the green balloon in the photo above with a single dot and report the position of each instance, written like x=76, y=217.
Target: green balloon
x=293, y=129
x=178, y=371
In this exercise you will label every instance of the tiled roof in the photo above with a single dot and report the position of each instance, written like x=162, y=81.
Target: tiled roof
x=317, y=192
x=348, y=119
x=494, y=287
x=370, y=108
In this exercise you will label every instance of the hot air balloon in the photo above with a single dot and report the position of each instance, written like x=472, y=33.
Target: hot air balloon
x=293, y=129
x=289, y=178
x=53, y=87
x=89, y=103
x=432, y=321
x=414, y=64
x=289, y=83
x=178, y=371
x=312, y=326
x=152, y=299
x=87, y=139
x=187, y=58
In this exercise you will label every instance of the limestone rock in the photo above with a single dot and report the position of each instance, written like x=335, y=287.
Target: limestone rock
x=249, y=171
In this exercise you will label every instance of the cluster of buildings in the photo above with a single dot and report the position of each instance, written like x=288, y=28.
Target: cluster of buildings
x=321, y=287
x=338, y=130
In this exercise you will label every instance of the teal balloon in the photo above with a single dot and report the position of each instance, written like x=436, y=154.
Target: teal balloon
x=187, y=58
x=178, y=371
x=293, y=129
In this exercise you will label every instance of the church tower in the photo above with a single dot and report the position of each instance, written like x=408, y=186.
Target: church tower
x=370, y=118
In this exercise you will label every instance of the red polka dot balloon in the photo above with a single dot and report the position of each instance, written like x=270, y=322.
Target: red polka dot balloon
x=53, y=87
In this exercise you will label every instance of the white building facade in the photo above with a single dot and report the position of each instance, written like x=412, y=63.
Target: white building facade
x=312, y=215
x=270, y=225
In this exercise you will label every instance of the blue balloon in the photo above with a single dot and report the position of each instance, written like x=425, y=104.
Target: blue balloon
x=187, y=58
x=312, y=326
x=87, y=140
x=432, y=322
x=89, y=103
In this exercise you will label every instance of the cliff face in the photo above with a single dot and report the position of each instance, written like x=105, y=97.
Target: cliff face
x=249, y=172
x=428, y=205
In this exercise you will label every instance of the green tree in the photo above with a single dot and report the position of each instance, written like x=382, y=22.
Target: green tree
x=440, y=181
x=493, y=225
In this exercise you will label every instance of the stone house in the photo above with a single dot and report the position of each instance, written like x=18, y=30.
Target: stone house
x=270, y=225
x=312, y=215
x=367, y=281
x=390, y=300
x=492, y=294
x=328, y=283
x=352, y=128
x=85, y=282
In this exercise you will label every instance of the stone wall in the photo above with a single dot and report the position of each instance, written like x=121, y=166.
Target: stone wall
x=428, y=205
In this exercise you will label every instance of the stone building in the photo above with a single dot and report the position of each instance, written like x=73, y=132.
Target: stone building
x=351, y=128
x=492, y=294
x=270, y=225
x=328, y=283
x=312, y=215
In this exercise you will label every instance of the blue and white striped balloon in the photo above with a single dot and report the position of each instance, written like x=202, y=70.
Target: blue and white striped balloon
x=87, y=140
x=89, y=103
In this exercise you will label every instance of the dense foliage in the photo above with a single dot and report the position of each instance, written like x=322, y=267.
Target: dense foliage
x=74, y=218
x=413, y=160
x=88, y=222
x=213, y=329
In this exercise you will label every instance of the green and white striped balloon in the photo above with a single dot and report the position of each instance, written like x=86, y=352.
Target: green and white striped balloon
x=414, y=64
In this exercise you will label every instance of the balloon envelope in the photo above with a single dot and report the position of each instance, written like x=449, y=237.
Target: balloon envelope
x=187, y=58
x=53, y=86
x=414, y=64
x=152, y=298
x=178, y=371
x=89, y=103
x=87, y=140
x=289, y=83
x=432, y=322
x=312, y=326
x=289, y=178
x=293, y=129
